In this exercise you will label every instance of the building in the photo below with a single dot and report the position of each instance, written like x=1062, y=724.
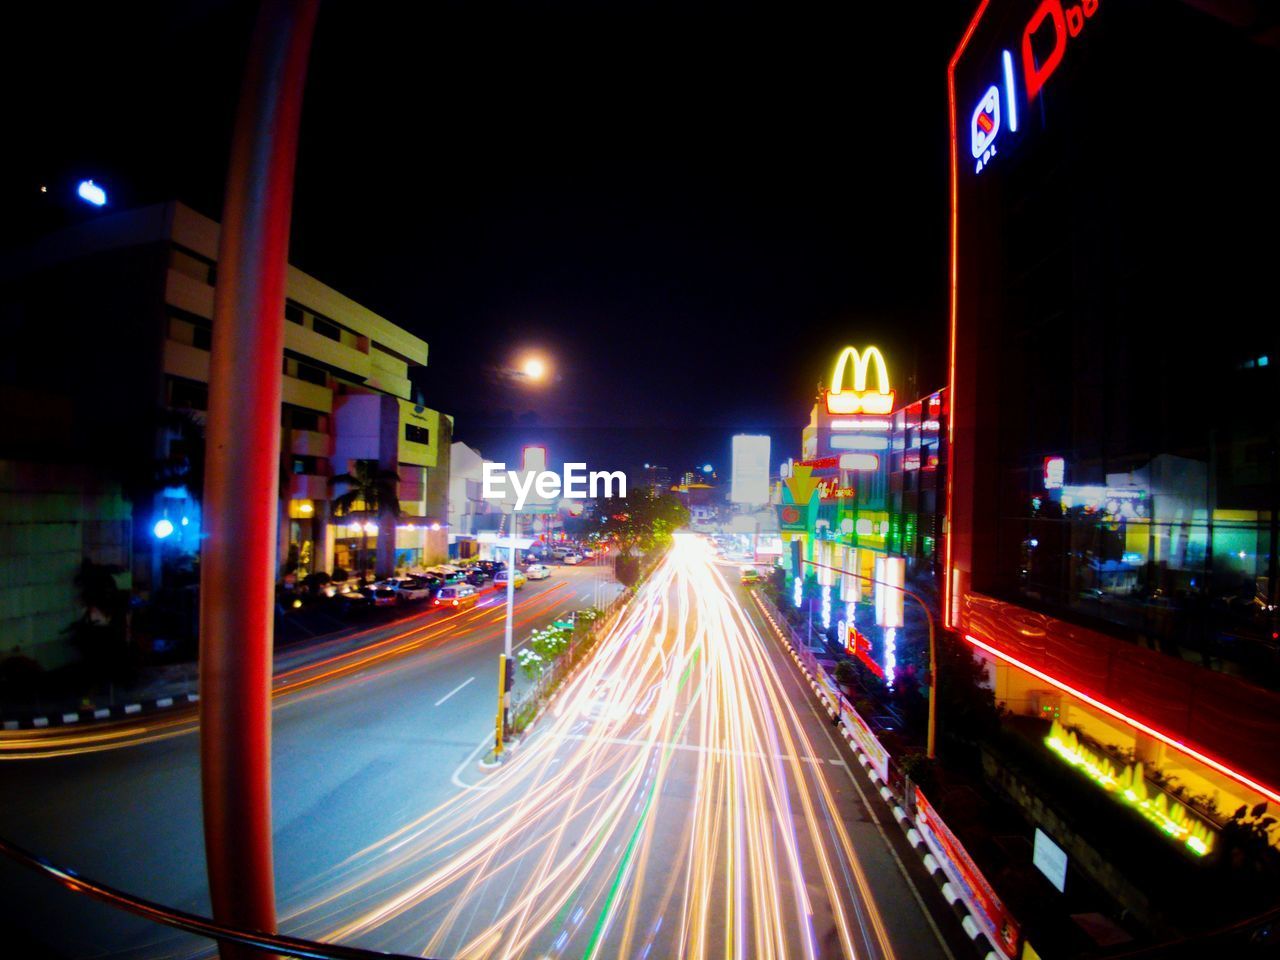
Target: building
x=868, y=487
x=1115, y=491
x=124, y=302
x=657, y=479
x=469, y=513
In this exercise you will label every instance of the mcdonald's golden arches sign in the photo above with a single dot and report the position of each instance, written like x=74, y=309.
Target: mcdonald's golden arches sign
x=854, y=398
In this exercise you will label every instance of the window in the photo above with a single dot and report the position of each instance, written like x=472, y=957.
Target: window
x=293, y=313
x=416, y=434
x=188, y=394
x=327, y=329
x=202, y=338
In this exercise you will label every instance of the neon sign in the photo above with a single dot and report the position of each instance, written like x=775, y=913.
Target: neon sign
x=1043, y=47
x=1129, y=786
x=860, y=399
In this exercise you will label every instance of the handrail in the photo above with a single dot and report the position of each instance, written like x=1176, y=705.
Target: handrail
x=190, y=922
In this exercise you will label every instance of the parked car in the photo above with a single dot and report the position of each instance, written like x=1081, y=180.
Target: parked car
x=447, y=574
x=750, y=575
x=491, y=566
x=476, y=577
x=458, y=595
x=381, y=594
x=573, y=558
x=500, y=579
x=415, y=588
x=351, y=599
x=537, y=571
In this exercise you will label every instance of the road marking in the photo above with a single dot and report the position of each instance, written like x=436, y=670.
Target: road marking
x=454, y=690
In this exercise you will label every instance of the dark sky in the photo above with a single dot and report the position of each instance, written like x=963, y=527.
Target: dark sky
x=688, y=211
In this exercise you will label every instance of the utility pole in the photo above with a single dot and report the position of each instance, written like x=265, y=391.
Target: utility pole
x=238, y=561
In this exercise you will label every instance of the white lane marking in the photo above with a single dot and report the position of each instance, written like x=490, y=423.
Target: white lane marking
x=456, y=778
x=454, y=690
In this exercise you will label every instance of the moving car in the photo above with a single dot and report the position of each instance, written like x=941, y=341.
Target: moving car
x=500, y=579
x=750, y=575
x=476, y=577
x=573, y=558
x=588, y=553
x=537, y=571
x=458, y=595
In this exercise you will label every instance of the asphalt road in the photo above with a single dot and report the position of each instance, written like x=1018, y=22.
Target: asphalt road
x=681, y=798
x=367, y=733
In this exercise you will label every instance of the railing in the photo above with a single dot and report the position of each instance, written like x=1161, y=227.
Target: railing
x=530, y=703
x=269, y=943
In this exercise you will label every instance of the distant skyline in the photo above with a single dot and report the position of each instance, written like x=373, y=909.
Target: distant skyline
x=687, y=213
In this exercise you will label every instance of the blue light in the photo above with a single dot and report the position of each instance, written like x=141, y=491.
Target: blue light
x=798, y=595
x=1010, y=99
x=90, y=192
x=1263, y=361
x=163, y=528
x=826, y=608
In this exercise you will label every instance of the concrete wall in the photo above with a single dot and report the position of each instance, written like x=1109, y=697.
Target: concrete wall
x=51, y=518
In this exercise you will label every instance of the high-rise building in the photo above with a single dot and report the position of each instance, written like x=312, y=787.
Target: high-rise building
x=120, y=309
x=1115, y=488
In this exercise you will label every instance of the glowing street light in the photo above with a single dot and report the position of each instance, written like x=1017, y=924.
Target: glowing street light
x=90, y=192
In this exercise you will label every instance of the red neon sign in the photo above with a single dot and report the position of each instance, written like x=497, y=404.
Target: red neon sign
x=1064, y=22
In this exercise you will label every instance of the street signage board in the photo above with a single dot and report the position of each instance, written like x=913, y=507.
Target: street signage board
x=1050, y=859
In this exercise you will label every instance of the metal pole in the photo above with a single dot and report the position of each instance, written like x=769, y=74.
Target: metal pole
x=511, y=606
x=932, y=735
x=241, y=494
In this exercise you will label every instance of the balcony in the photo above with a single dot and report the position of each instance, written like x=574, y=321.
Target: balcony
x=308, y=486
x=310, y=443
x=411, y=491
x=188, y=294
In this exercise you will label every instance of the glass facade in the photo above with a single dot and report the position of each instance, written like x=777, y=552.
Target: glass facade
x=1117, y=247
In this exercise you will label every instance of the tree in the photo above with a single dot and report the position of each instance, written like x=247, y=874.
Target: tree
x=642, y=521
x=371, y=493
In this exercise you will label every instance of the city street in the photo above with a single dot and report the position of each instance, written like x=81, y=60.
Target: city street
x=364, y=740
x=681, y=798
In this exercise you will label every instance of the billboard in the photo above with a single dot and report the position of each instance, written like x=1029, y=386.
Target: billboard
x=750, y=477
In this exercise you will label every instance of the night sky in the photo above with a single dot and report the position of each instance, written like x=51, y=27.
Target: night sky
x=687, y=212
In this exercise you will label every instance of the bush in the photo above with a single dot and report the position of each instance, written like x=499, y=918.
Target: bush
x=846, y=674
x=627, y=569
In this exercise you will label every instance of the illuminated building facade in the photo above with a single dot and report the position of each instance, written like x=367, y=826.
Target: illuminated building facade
x=1114, y=480
x=127, y=300
x=869, y=488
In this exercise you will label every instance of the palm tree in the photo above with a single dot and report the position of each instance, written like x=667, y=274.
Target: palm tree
x=375, y=490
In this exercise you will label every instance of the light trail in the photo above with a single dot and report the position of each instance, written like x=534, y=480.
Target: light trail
x=668, y=804
x=427, y=630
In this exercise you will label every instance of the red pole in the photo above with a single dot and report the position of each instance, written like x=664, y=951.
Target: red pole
x=237, y=570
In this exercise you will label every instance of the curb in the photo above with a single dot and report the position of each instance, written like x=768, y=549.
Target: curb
x=89, y=715
x=976, y=936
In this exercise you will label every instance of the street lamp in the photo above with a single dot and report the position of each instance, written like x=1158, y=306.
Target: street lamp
x=534, y=368
x=931, y=740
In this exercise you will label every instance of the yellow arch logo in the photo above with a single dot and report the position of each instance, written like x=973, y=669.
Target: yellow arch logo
x=860, y=399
